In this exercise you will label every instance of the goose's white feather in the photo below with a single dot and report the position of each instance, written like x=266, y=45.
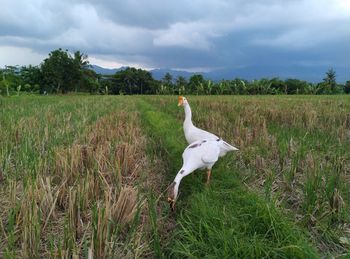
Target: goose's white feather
x=192, y=133
x=200, y=154
x=203, y=151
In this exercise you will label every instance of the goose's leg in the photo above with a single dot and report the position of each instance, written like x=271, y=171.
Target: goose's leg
x=208, y=176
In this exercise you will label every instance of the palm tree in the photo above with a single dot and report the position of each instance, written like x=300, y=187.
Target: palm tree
x=6, y=84
x=181, y=84
x=330, y=80
x=80, y=59
x=10, y=72
x=208, y=87
x=81, y=63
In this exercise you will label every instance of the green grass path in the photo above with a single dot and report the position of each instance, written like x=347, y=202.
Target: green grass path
x=223, y=220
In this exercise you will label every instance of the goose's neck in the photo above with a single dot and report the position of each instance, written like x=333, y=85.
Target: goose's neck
x=180, y=175
x=188, y=115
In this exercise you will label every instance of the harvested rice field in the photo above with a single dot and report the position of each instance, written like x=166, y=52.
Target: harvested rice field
x=87, y=177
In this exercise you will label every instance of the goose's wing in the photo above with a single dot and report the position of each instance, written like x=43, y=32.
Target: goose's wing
x=210, y=152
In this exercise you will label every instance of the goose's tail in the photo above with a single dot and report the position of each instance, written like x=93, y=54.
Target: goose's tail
x=225, y=147
x=229, y=147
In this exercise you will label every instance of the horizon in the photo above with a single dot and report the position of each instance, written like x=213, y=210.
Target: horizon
x=209, y=75
x=216, y=75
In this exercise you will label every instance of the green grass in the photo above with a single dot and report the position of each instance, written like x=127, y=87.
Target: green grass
x=242, y=226
x=294, y=152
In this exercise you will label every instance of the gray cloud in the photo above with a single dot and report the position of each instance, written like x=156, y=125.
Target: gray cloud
x=206, y=34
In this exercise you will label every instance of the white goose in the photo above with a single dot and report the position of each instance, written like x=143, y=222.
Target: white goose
x=192, y=133
x=200, y=154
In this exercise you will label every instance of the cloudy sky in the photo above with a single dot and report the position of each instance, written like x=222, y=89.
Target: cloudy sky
x=196, y=35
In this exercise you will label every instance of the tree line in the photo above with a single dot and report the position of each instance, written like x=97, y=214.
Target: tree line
x=62, y=72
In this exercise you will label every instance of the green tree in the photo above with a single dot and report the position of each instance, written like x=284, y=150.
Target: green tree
x=330, y=81
x=208, y=87
x=238, y=86
x=167, y=79
x=347, y=87
x=181, y=85
x=222, y=87
x=106, y=85
x=261, y=86
x=167, y=85
x=278, y=86
x=196, y=83
x=89, y=81
x=296, y=86
x=10, y=79
x=59, y=72
x=310, y=88
x=86, y=78
x=133, y=81
x=322, y=88
x=81, y=60
x=32, y=78
x=4, y=83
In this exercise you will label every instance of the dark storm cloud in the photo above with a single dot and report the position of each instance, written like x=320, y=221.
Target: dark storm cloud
x=182, y=34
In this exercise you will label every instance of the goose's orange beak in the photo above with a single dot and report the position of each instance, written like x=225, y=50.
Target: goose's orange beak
x=181, y=101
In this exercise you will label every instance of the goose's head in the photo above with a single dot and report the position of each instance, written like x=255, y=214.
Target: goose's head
x=182, y=101
x=172, y=195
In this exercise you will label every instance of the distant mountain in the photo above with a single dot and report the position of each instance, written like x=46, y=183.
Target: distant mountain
x=160, y=72
x=312, y=73
x=156, y=73
x=105, y=71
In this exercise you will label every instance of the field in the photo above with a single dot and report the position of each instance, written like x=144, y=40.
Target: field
x=87, y=176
